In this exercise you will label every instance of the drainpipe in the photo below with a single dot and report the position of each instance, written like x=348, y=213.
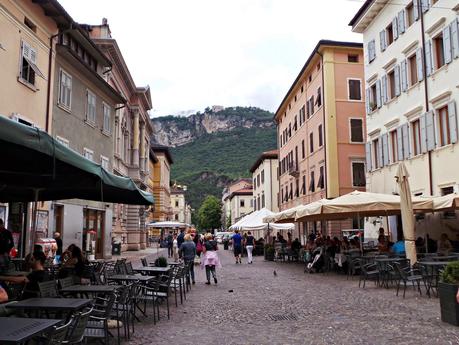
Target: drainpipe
x=323, y=127
x=426, y=90
x=279, y=165
x=48, y=96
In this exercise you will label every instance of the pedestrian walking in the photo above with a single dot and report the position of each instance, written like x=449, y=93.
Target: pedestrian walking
x=249, y=244
x=210, y=258
x=169, y=240
x=175, y=247
x=188, y=252
x=237, y=246
x=181, y=238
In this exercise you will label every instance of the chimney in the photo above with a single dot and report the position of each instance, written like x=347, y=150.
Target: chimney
x=104, y=21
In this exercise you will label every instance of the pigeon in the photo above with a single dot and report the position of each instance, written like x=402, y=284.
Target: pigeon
x=275, y=273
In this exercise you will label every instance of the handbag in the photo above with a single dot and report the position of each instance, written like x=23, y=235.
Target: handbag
x=199, y=247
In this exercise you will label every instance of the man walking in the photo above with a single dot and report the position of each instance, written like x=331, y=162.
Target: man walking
x=57, y=237
x=237, y=246
x=6, y=243
x=181, y=238
x=170, y=241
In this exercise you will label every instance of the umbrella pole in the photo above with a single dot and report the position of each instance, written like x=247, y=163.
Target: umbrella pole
x=34, y=218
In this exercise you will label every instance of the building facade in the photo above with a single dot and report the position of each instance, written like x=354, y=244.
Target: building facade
x=83, y=119
x=266, y=181
x=243, y=183
x=161, y=184
x=131, y=138
x=321, y=126
x=411, y=69
x=180, y=209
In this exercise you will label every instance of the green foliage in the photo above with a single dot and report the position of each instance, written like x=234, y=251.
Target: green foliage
x=161, y=262
x=450, y=274
x=228, y=222
x=210, y=213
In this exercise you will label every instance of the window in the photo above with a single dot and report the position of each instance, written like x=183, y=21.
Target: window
x=358, y=174
x=410, y=14
x=371, y=50
x=311, y=142
x=65, y=89
x=176, y=217
x=391, y=88
x=295, y=123
x=318, y=66
x=302, y=149
x=354, y=91
x=439, y=51
x=413, y=70
x=394, y=146
x=376, y=154
x=63, y=141
x=321, y=182
x=90, y=107
x=352, y=58
x=104, y=162
x=89, y=154
x=319, y=98
x=320, y=136
x=310, y=78
x=389, y=34
x=443, y=126
x=176, y=203
x=303, y=187
x=262, y=200
x=107, y=122
x=254, y=183
x=302, y=115
x=356, y=130
x=448, y=214
x=262, y=176
x=30, y=24
x=258, y=180
x=373, y=95
x=242, y=203
x=28, y=68
x=416, y=133
x=312, y=186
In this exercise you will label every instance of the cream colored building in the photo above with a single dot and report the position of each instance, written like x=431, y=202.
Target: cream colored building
x=234, y=186
x=241, y=203
x=266, y=181
x=161, y=175
x=411, y=72
x=180, y=209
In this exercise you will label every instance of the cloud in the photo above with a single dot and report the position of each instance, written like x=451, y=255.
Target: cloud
x=229, y=52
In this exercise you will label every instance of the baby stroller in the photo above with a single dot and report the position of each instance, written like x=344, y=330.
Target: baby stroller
x=316, y=263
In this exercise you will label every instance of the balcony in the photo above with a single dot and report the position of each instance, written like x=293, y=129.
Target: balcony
x=293, y=169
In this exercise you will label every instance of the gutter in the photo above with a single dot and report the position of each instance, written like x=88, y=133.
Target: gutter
x=324, y=135
x=50, y=77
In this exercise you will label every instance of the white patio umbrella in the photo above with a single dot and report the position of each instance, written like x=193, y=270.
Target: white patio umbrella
x=406, y=210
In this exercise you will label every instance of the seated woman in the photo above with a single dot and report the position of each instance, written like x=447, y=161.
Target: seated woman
x=382, y=244
x=73, y=260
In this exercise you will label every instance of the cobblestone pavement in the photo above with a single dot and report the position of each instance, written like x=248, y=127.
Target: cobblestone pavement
x=252, y=306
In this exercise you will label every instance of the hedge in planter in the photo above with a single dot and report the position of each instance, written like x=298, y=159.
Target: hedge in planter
x=447, y=290
x=269, y=252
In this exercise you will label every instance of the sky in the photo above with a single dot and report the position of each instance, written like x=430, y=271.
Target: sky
x=199, y=53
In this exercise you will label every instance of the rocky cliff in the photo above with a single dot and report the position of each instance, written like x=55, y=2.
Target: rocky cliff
x=176, y=131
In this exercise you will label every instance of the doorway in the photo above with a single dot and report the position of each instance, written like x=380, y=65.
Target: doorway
x=58, y=220
x=93, y=228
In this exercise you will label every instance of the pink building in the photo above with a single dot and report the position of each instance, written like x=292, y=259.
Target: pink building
x=321, y=126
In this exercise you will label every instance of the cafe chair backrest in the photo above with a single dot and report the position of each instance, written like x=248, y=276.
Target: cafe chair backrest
x=59, y=334
x=76, y=334
x=48, y=289
x=65, y=282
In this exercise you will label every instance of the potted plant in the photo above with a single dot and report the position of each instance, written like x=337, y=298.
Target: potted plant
x=269, y=252
x=447, y=290
x=161, y=262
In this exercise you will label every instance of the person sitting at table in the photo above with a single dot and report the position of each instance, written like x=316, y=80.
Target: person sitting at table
x=38, y=275
x=444, y=246
x=382, y=244
x=75, y=261
x=296, y=245
x=345, y=244
x=399, y=247
x=3, y=293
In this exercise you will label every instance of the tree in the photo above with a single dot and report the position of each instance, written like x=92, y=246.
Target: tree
x=210, y=213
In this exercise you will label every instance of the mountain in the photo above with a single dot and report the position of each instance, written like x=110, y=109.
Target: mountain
x=211, y=149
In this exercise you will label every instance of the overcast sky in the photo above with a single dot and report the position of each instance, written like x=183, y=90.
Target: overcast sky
x=198, y=53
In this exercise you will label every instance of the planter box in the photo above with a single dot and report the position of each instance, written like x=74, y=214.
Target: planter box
x=448, y=305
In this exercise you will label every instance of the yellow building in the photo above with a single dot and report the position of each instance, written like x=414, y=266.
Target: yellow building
x=160, y=181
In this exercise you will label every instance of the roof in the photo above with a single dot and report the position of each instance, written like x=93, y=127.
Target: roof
x=273, y=154
x=243, y=191
x=320, y=44
x=177, y=191
x=361, y=11
x=164, y=149
x=153, y=156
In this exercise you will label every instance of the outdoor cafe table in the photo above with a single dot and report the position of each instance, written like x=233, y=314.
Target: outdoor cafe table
x=432, y=268
x=444, y=258
x=89, y=289
x=130, y=278
x=17, y=330
x=58, y=305
x=153, y=270
x=383, y=267
x=15, y=273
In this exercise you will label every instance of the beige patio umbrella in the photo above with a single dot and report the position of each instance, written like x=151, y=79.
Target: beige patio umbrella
x=406, y=209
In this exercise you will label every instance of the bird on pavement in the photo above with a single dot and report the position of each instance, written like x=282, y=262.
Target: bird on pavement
x=275, y=273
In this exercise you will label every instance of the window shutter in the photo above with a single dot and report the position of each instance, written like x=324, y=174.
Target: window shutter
x=367, y=100
x=422, y=125
x=397, y=80
x=372, y=50
x=406, y=142
x=384, y=89
x=455, y=38
x=368, y=155
x=399, y=143
x=378, y=93
x=382, y=40
x=380, y=153
x=447, y=44
x=429, y=58
x=395, y=27
x=419, y=64
x=25, y=50
x=401, y=22
x=385, y=149
x=404, y=75
x=415, y=10
x=452, y=121
x=430, y=131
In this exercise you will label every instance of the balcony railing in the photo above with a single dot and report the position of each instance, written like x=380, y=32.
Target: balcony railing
x=293, y=169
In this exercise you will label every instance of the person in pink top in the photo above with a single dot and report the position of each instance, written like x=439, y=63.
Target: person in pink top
x=210, y=258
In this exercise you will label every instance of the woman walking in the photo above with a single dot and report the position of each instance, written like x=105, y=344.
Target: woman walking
x=188, y=252
x=175, y=248
x=210, y=258
x=249, y=244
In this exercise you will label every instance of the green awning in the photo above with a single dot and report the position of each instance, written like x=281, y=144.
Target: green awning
x=32, y=161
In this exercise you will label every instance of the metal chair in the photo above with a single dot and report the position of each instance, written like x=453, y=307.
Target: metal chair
x=48, y=289
x=58, y=335
x=129, y=269
x=144, y=262
x=97, y=325
x=413, y=276
x=368, y=272
x=77, y=329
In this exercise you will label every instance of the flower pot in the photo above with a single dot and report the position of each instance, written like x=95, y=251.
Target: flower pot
x=448, y=305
